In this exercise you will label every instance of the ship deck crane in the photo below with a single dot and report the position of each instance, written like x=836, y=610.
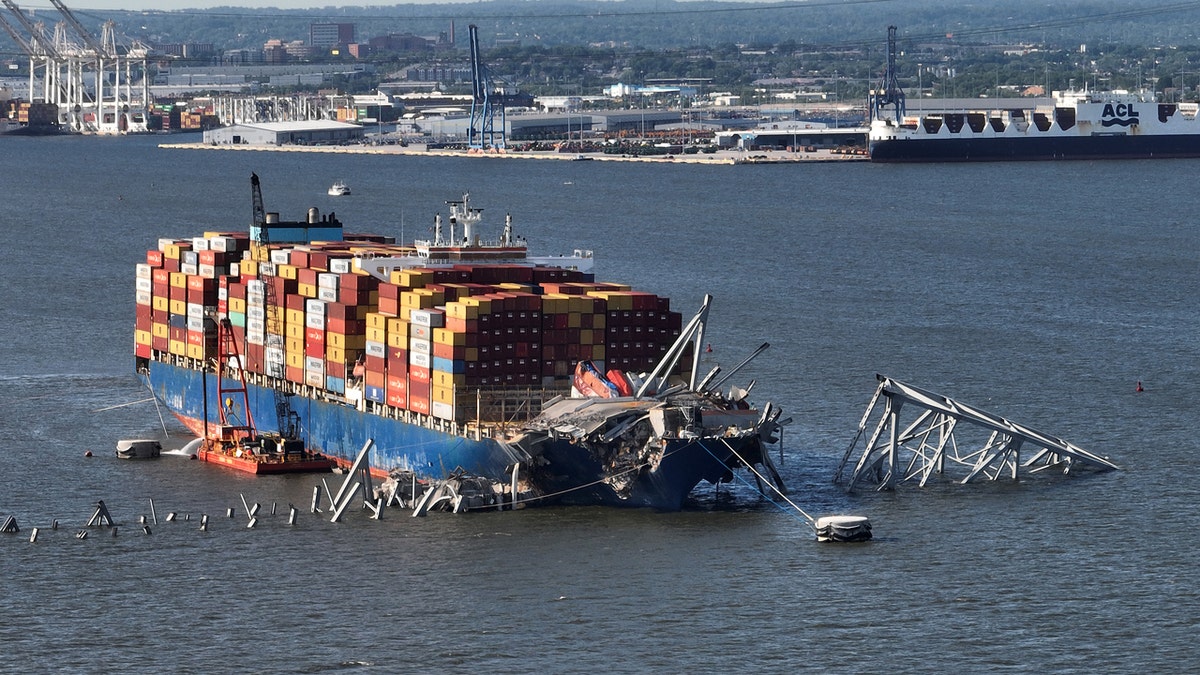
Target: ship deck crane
x=287, y=418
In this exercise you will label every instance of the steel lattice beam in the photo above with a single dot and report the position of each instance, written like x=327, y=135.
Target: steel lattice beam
x=930, y=443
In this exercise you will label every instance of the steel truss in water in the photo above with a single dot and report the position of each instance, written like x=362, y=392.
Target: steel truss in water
x=940, y=440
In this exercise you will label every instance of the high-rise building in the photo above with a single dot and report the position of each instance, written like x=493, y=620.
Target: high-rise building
x=330, y=34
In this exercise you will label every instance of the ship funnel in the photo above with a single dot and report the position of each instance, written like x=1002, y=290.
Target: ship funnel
x=314, y=215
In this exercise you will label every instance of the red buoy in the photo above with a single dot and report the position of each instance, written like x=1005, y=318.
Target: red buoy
x=87, y=453
x=1139, y=386
x=709, y=348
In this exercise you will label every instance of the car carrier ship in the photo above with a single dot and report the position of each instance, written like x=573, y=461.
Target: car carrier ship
x=455, y=355
x=1074, y=124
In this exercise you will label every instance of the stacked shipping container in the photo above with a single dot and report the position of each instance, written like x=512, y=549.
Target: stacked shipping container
x=425, y=340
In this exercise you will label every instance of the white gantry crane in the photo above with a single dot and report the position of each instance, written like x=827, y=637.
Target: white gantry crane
x=91, y=83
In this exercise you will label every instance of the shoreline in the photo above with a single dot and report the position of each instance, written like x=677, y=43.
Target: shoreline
x=720, y=157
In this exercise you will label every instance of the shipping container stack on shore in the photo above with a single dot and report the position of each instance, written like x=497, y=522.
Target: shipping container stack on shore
x=432, y=340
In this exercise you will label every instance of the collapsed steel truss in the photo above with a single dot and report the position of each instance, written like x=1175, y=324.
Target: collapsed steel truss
x=928, y=445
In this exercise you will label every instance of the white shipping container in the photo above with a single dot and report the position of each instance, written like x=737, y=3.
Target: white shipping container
x=195, y=324
x=433, y=318
x=256, y=313
x=199, y=244
x=327, y=280
x=327, y=294
x=341, y=265
x=417, y=346
x=315, y=321
x=164, y=243
x=313, y=306
x=189, y=268
x=195, y=311
x=223, y=244
x=420, y=360
x=440, y=410
x=267, y=269
x=143, y=271
x=281, y=256
x=144, y=298
x=420, y=332
x=146, y=285
x=376, y=349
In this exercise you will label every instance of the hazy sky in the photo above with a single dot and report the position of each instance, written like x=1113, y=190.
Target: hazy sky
x=206, y=4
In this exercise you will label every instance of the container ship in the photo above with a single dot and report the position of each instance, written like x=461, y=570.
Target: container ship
x=454, y=356
x=1076, y=125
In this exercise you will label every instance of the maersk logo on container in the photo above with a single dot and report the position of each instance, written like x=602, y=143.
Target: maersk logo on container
x=1122, y=114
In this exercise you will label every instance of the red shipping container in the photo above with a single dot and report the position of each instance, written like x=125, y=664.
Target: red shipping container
x=154, y=258
x=418, y=374
x=397, y=360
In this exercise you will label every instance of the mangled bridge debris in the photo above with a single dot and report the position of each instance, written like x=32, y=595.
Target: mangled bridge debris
x=935, y=443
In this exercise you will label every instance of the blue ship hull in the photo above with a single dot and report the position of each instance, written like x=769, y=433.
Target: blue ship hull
x=561, y=472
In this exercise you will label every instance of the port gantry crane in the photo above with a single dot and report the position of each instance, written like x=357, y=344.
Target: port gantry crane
x=287, y=418
x=889, y=92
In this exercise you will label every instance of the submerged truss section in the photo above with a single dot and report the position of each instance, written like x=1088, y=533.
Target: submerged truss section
x=948, y=438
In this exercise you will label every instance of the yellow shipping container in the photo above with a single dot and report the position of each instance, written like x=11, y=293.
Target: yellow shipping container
x=461, y=310
x=294, y=330
x=307, y=290
x=377, y=320
x=599, y=319
x=294, y=359
x=293, y=344
x=295, y=316
x=443, y=379
x=574, y=320
x=247, y=268
x=397, y=327
x=237, y=305
x=397, y=341
x=178, y=280
x=275, y=318
x=286, y=271
x=556, y=303
x=445, y=336
x=195, y=351
x=160, y=330
x=587, y=336
x=411, y=278
x=177, y=347
x=597, y=352
x=142, y=337
x=376, y=334
x=484, y=304
x=443, y=394
x=160, y=303
x=178, y=307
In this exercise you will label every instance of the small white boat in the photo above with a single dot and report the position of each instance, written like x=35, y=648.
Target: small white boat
x=339, y=189
x=144, y=448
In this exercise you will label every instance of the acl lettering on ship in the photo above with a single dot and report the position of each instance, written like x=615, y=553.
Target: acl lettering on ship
x=1122, y=114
